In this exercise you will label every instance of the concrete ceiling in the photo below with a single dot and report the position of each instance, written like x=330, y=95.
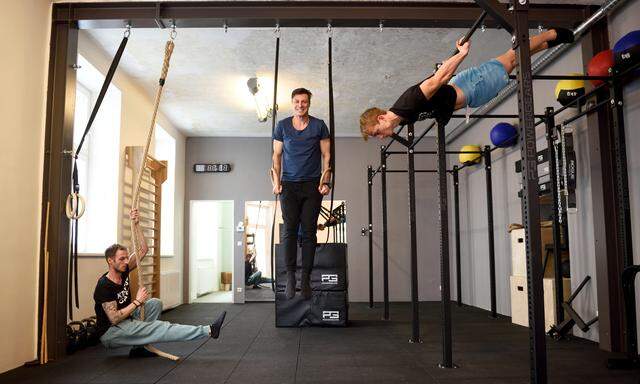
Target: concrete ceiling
x=206, y=92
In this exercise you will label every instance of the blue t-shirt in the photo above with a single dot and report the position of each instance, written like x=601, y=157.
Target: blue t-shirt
x=301, y=158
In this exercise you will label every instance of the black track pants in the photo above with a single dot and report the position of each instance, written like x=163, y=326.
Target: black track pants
x=300, y=203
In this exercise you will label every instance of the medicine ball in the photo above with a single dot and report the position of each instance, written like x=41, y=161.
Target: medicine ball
x=626, y=51
x=504, y=135
x=470, y=158
x=599, y=65
x=570, y=89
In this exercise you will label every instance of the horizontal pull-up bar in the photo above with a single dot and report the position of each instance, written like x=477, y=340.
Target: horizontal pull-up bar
x=431, y=152
x=489, y=116
x=416, y=171
x=585, y=112
x=567, y=77
x=592, y=92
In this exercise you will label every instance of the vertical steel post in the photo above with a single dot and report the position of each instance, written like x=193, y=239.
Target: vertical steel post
x=58, y=147
x=622, y=177
x=530, y=202
x=415, y=305
x=492, y=252
x=456, y=210
x=385, y=243
x=623, y=208
x=557, y=213
x=369, y=187
x=445, y=289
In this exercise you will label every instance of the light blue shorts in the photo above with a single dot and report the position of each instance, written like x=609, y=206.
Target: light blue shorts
x=482, y=83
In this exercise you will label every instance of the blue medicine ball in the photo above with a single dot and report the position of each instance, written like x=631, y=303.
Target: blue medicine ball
x=504, y=135
x=626, y=51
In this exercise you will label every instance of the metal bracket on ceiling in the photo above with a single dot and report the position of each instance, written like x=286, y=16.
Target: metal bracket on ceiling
x=158, y=19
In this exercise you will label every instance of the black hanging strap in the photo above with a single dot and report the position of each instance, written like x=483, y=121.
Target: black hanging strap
x=274, y=115
x=76, y=184
x=332, y=136
x=103, y=90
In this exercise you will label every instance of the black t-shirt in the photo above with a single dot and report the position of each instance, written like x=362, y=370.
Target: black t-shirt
x=412, y=105
x=106, y=291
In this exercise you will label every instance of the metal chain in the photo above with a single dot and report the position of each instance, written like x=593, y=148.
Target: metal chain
x=558, y=185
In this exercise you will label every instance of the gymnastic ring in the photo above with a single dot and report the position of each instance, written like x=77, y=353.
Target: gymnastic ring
x=75, y=206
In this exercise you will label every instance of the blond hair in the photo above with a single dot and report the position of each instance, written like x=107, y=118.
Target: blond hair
x=368, y=119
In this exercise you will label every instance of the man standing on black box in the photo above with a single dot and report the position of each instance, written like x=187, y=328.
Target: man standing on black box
x=299, y=142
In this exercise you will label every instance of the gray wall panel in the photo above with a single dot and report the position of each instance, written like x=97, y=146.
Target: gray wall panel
x=250, y=158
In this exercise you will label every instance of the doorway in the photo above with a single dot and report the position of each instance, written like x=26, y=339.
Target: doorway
x=211, y=251
x=258, y=217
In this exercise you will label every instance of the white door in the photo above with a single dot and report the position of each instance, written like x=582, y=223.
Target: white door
x=210, y=245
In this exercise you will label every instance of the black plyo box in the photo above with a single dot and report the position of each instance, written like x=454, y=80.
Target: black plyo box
x=321, y=280
x=329, y=271
x=324, y=309
x=328, y=305
x=328, y=256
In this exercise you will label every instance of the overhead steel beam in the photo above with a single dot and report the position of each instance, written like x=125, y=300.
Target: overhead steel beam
x=498, y=12
x=298, y=14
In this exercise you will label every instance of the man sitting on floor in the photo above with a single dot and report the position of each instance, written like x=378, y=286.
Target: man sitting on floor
x=118, y=317
x=439, y=95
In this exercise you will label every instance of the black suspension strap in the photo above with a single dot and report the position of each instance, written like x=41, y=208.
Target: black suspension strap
x=274, y=115
x=75, y=202
x=332, y=138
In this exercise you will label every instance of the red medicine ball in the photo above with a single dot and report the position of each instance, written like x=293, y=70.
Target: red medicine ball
x=599, y=65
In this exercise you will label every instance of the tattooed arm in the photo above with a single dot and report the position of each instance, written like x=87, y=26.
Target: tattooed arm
x=116, y=315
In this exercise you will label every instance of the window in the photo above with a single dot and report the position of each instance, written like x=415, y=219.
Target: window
x=165, y=149
x=98, y=160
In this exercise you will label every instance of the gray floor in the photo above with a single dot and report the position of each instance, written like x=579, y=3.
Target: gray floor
x=263, y=294
x=252, y=350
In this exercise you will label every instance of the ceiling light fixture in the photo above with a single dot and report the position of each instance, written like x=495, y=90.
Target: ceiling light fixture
x=263, y=109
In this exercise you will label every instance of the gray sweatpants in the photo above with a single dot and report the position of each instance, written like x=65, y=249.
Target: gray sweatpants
x=134, y=332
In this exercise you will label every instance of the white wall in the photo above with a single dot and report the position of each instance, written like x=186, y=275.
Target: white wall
x=23, y=73
x=137, y=107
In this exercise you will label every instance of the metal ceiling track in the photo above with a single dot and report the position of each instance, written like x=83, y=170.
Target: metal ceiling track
x=252, y=14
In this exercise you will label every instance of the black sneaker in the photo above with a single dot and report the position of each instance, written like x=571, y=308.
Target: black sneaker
x=305, y=286
x=563, y=36
x=217, y=325
x=290, y=291
x=137, y=352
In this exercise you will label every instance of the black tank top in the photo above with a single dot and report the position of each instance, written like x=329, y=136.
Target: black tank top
x=412, y=105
